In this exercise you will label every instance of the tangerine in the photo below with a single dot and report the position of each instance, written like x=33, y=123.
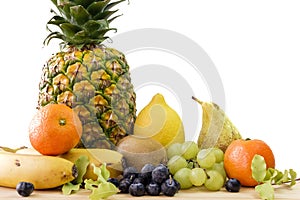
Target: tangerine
x=238, y=159
x=55, y=129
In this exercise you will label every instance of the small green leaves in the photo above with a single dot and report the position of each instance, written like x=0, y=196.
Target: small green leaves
x=68, y=188
x=258, y=168
x=101, y=189
x=81, y=163
x=293, y=175
x=266, y=177
x=104, y=191
x=100, y=173
x=104, y=172
x=265, y=191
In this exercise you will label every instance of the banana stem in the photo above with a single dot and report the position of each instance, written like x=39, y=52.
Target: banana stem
x=197, y=100
x=12, y=150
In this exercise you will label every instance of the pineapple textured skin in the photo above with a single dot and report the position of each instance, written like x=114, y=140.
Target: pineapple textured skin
x=95, y=82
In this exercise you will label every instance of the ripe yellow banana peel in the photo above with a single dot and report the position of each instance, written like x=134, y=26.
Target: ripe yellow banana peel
x=217, y=129
x=112, y=159
x=44, y=172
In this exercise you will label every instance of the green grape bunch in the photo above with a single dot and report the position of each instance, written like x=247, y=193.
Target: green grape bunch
x=192, y=166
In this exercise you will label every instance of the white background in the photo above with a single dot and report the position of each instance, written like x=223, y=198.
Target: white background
x=255, y=46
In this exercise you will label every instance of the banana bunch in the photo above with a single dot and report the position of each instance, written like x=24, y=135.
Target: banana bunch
x=43, y=172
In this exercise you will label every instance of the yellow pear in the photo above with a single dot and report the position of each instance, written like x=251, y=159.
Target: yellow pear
x=217, y=130
x=160, y=122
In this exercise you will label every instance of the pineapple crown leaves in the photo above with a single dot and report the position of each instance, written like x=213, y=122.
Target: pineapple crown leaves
x=82, y=22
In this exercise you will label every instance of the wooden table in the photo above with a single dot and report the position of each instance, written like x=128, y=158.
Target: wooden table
x=281, y=193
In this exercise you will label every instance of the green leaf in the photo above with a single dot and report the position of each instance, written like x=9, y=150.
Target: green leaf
x=100, y=33
x=79, y=14
x=293, y=176
x=68, y=188
x=282, y=177
x=80, y=37
x=65, y=10
x=97, y=7
x=104, y=172
x=94, y=25
x=81, y=163
x=277, y=179
x=265, y=191
x=56, y=20
x=91, y=26
x=99, y=172
x=105, y=14
x=54, y=2
x=271, y=174
x=104, y=191
x=90, y=184
x=69, y=29
x=101, y=189
x=109, y=6
x=259, y=168
x=113, y=18
x=84, y=3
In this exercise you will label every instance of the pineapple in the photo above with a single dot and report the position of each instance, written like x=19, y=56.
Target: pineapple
x=87, y=76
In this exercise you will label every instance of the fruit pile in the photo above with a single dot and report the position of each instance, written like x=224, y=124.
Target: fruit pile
x=87, y=100
x=140, y=165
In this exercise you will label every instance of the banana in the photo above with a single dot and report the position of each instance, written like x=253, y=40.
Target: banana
x=113, y=159
x=43, y=172
x=217, y=129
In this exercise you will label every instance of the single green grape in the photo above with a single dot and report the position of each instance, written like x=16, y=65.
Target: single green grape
x=182, y=176
x=219, y=154
x=198, y=176
x=206, y=158
x=214, y=181
x=189, y=150
x=219, y=167
x=176, y=163
x=174, y=149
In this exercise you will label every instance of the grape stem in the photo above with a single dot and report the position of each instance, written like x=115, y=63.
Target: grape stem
x=171, y=179
x=297, y=179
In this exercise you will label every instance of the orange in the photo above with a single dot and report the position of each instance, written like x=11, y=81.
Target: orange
x=238, y=158
x=55, y=129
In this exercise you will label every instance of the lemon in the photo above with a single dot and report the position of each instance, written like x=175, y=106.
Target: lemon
x=160, y=122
